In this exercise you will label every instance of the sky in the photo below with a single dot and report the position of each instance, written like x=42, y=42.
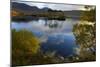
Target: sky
x=54, y=6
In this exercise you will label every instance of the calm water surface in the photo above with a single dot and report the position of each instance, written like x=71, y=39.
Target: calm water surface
x=55, y=35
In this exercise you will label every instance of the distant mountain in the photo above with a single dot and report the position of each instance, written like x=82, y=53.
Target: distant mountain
x=27, y=9
x=46, y=9
x=23, y=8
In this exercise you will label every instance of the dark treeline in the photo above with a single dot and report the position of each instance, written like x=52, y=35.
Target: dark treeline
x=57, y=15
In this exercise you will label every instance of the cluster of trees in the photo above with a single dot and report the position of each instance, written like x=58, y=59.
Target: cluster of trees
x=89, y=14
x=85, y=34
x=86, y=39
x=50, y=14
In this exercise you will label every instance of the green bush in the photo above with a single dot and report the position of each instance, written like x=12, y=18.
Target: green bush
x=24, y=46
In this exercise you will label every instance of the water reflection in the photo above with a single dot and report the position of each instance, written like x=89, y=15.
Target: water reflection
x=55, y=35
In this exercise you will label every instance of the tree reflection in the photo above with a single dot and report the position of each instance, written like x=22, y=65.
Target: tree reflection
x=53, y=24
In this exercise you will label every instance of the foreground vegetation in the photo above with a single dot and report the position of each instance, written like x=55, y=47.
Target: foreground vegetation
x=24, y=46
x=26, y=51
